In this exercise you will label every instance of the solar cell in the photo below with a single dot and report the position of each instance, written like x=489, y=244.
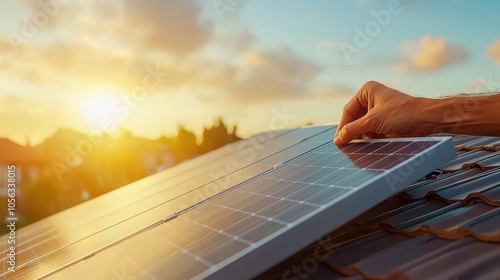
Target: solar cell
x=239, y=232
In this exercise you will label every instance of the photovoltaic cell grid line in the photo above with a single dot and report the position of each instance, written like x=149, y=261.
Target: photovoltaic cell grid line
x=51, y=246
x=243, y=232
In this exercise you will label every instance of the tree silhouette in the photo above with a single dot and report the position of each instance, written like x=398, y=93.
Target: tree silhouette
x=217, y=136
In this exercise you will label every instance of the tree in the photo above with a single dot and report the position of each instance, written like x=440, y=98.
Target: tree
x=217, y=136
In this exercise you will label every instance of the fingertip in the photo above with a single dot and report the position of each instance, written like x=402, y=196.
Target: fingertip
x=336, y=141
x=338, y=138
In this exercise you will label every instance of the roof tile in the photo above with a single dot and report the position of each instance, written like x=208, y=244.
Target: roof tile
x=422, y=189
x=466, y=160
x=483, y=182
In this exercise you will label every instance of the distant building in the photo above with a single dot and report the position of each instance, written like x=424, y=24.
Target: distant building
x=158, y=160
x=30, y=164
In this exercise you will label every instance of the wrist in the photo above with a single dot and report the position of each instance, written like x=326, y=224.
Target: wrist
x=430, y=115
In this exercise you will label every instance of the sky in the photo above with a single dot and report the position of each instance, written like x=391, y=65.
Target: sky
x=151, y=66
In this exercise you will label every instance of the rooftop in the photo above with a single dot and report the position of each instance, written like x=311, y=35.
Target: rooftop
x=13, y=153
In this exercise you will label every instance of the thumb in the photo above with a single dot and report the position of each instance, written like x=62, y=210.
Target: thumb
x=350, y=131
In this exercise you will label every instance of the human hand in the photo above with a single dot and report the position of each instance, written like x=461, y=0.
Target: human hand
x=377, y=111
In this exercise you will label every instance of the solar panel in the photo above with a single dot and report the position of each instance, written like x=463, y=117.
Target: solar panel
x=109, y=218
x=270, y=209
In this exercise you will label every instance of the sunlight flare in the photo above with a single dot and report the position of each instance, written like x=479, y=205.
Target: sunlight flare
x=98, y=106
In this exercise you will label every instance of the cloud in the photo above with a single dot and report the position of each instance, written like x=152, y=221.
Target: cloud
x=493, y=51
x=163, y=25
x=110, y=48
x=170, y=25
x=255, y=76
x=241, y=40
x=78, y=65
x=56, y=13
x=5, y=46
x=248, y=77
x=107, y=45
x=334, y=92
x=270, y=75
x=431, y=54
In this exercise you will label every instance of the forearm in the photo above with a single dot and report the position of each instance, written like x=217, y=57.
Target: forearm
x=462, y=114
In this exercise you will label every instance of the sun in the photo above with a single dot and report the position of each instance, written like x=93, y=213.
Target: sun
x=99, y=107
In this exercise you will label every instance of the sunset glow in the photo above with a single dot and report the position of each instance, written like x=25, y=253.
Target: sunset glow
x=194, y=62
x=99, y=106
